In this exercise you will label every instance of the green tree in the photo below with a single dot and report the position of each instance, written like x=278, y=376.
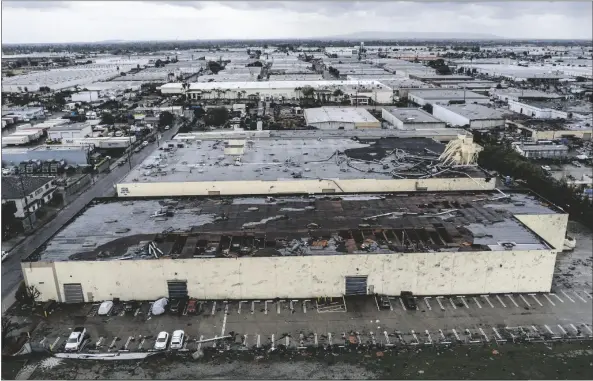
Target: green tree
x=308, y=91
x=166, y=119
x=217, y=116
x=107, y=118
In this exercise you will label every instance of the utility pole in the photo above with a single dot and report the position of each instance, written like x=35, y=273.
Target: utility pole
x=25, y=208
x=130, y=152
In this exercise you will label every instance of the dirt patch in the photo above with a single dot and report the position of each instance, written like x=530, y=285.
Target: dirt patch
x=524, y=361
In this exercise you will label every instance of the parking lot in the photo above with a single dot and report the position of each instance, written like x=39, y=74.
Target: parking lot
x=338, y=322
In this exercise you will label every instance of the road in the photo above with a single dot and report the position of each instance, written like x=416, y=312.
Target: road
x=11, y=268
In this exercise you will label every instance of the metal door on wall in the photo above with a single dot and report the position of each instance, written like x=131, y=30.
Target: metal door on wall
x=73, y=293
x=177, y=289
x=356, y=285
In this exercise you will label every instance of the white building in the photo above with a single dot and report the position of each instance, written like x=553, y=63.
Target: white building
x=215, y=250
x=477, y=117
x=340, y=118
x=28, y=192
x=536, y=110
x=70, y=131
x=542, y=151
x=282, y=90
x=411, y=119
x=86, y=96
x=445, y=96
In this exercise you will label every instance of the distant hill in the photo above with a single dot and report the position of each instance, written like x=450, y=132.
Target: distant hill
x=414, y=36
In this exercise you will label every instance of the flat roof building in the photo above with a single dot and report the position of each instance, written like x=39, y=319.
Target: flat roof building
x=542, y=151
x=70, y=131
x=340, y=118
x=445, y=96
x=411, y=119
x=477, y=117
x=297, y=162
x=249, y=247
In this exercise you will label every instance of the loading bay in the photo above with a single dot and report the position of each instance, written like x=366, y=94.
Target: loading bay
x=565, y=314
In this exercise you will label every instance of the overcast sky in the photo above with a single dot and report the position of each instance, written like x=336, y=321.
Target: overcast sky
x=79, y=21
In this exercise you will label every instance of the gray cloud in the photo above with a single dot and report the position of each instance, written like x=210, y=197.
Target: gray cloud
x=41, y=5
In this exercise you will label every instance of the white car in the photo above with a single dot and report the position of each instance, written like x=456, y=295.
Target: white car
x=105, y=308
x=6, y=171
x=161, y=341
x=4, y=255
x=546, y=168
x=75, y=339
x=167, y=127
x=144, y=143
x=177, y=339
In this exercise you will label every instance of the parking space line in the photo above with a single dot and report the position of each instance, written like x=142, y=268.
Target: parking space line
x=305, y=305
x=525, y=300
x=501, y=302
x=128, y=342
x=588, y=294
x=279, y=306
x=588, y=328
x=315, y=340
x=569, y=298
x=443, y=338
x=512, y=300
x=471, y=337
x=142, y=344
x=557, y=297
x=427, y=304
x=578, y=296
x=373, y=340
x=415, y=338
x=429, y=337
x=137, y=312
x=253, y=306
x=453, y=304
x=240, y=304
x=484, y=334
x=390, y=305
x=549, y=300
x=387, y=342
x=562, y=329
x=42, y=340
x=550, y=331
x=576, y=330
x=402, y=303
x=287, y=341
x=344, y=300
x=226, y=312
x=55, y=343
x=357, y=337
x=266, y=306
x=510, y=333
x=377, y=303
x=536, y=299
x=487, y=299
x=214, y=344
x=292, y=302
x=112, y=345
x=456, y=334
x=535, y=330
x=478, y=303
x=438, y=298
x=213, y=308
x=329, y=338
x=258, y=342
x=463, y=300
x=499, y=337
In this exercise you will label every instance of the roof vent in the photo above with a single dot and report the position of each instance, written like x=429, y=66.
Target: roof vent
x=507, y=245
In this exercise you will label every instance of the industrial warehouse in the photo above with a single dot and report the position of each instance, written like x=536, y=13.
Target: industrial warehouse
x=301, y=246
x=305, y=162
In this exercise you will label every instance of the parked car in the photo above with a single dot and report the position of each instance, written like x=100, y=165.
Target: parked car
x=177, y=339
x=75, y=339
x=161, y=341
x=577, y=164
x=105, y=308
x=138, y=149
x=546, y=168
x=167, y=127
x=152, y=139
x=192, y=306
x=121, y=163
x=408, y=299
x=4, y=255
x=144, y=143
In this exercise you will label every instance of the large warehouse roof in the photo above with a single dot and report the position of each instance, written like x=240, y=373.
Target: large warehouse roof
x=339, y=114
x=435, y=94
x=289, y=226
x=476, y=112
x=412, y=115
x=290, y=159
x=272, y=85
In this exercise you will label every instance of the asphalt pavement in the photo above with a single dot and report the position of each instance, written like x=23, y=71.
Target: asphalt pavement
x=103, y=187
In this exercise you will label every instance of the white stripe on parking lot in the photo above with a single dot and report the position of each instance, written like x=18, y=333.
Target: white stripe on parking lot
x=586, y=326
x=538, y=302
x=488, y=300
x=501, y=302
x=512, y=300
x=549, y=330
x=315, y=338
x=497, y=334
x=453, y=304
x=329, y=338
x=588, y=294
x=200, y=343
x=415, y=338
x=484, y=334
x=142, y=344
x=463, y=300
x=557, y=297
x=387, y=342
x=429, y=337
x=438, y=298
x=427, y=304
x=258, y=342
x=402, y=303
x=476, y=300
x=549, y=300
x=213, y=308
x=569, y=298
x=456, y=335
x=305, y=305
x=562, y=329
x=56, y=341
x=576, y=330
x=253, y=306
x=525, y=300
x=240, y=303
x=578, y=296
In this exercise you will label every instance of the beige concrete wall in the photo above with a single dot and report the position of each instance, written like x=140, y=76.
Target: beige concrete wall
x=298, y=186
x=557, y=134
x=444, y=273
x=551, y=227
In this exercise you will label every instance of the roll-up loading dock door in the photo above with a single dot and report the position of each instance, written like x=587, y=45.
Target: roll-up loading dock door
x=73, y=293
x=177, y=289
x=356, y=285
